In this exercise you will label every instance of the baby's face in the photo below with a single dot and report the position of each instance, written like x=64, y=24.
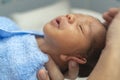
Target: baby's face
x=73, y=33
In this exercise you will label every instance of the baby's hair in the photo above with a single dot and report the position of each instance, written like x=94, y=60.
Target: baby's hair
x=86, y=69
x=93, y=55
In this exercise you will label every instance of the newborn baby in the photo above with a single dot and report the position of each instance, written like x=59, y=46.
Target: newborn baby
x=75, y=37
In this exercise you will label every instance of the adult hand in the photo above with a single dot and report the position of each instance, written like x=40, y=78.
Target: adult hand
x=109, y=15
x=55, y=74
x=108, y=64
x=113, y=34
x=112, y=20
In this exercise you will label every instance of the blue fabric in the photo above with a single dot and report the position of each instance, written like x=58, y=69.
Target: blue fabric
x=20, y=57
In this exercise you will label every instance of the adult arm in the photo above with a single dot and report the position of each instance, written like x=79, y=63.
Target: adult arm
x=108, y=66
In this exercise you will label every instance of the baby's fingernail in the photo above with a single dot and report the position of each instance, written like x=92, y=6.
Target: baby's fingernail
x=43, y=75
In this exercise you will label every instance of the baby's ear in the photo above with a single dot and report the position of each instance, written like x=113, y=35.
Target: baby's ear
x=80, y=60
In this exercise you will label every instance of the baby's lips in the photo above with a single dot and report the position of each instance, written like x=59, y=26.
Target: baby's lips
x=55, y=23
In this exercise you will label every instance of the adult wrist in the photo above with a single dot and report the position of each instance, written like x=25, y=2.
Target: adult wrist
x=111, y=50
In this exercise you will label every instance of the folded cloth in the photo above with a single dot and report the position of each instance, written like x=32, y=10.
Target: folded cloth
x=20, y=57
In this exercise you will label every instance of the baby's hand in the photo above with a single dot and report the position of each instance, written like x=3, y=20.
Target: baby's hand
x=109, y=15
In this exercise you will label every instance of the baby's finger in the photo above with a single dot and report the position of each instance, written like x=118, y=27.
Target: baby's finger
x=43, y=75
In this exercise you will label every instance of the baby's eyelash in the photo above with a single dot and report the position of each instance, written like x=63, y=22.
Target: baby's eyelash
x=81, y=28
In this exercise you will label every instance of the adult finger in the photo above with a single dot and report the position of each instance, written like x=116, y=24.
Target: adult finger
x=110, y=14
x=73, y=70
x=107, y=17
x=113, y=11
x=43, y=75
x=53, y=70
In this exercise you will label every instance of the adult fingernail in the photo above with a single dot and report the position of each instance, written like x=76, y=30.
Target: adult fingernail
x=73, y=64
x=43, y=75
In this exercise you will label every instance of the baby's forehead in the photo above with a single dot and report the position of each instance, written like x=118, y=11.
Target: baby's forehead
x=86, y=17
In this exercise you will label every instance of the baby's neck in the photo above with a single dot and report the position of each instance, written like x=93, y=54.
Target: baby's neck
x=52, y=52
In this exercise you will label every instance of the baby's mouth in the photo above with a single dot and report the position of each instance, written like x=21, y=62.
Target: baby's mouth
x=56, y=22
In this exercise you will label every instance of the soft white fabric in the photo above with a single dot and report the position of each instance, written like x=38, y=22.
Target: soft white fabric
x=35, y=19
x=78, y=79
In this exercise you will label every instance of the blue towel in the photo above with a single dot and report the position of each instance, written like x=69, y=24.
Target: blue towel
x=20, y=57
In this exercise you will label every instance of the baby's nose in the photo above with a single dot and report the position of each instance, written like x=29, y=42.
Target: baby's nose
x=70, y=18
